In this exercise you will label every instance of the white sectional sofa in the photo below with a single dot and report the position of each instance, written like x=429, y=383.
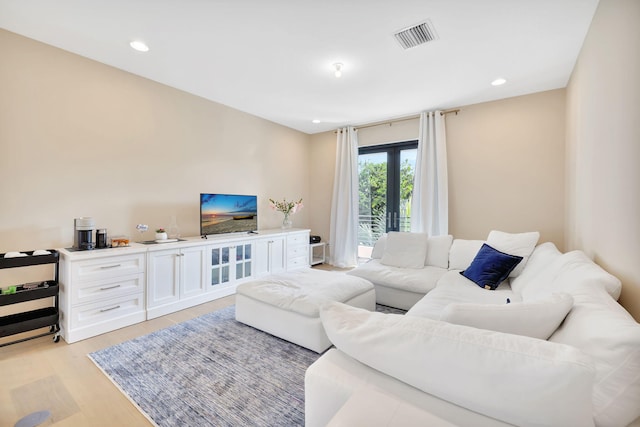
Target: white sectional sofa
x=550, y=346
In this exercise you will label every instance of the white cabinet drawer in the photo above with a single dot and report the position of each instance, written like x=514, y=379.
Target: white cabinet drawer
x=298, y=251
x=107, y=288
x=297, y=262
x=104, y=311
x=298, y=239
x=103, y=268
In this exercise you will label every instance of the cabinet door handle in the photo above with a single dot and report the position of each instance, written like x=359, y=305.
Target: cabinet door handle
x=104, y=267
x=109, y=309
x=109, y=287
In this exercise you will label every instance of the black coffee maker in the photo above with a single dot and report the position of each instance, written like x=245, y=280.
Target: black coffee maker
x=83, y=229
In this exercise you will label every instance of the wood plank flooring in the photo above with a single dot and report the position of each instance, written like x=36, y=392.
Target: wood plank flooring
x=39, y=375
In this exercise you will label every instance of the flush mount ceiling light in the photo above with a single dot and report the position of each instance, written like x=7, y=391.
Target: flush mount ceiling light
x=316, y=121
x=139, y=45
x=337, y=69
x=499, y=81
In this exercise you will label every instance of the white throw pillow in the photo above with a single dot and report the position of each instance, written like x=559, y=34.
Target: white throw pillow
x=438, y=251
x=378, y=247
x=405, y=250
x=516, y=379
x=538, y=268
x=519, y=244
x=463, y=252
x=536, y=319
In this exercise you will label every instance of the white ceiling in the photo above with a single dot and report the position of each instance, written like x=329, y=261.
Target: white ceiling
x=273, y=58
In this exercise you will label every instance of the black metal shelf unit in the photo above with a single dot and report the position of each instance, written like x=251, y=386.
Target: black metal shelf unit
x=35, y=319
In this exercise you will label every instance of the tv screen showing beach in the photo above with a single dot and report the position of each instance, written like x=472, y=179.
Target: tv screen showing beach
x=227, y=213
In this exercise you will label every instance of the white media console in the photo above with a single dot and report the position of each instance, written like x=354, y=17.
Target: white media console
x=106, y=289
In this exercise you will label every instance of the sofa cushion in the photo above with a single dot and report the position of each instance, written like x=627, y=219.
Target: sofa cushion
x=438, y=251
x=303, y=291
x=484, y=371
x=536, y=319
x=462, y=252
x=405, y=250
x=570, y=272
x=599, y=327
x=420, y=280
x=519, y=244
x=490, y=267
x=538, y=267
x=378, y=247
x=455, y=288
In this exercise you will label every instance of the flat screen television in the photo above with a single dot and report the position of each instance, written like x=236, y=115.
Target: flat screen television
x=227, y=213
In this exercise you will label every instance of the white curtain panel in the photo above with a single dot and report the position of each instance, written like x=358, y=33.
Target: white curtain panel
x=344, y=205
x=430, y=201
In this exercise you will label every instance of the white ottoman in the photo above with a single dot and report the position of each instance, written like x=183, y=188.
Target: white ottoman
x=287, y=305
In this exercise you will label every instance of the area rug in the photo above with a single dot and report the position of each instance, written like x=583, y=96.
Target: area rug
x=211, y=371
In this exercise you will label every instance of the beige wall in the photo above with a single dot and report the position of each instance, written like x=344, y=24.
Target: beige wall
x=79, y=138
x=506, y=166
x=321, y=171
x=603, y=146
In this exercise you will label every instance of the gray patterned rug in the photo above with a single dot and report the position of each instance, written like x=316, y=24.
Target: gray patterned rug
x=211, y=371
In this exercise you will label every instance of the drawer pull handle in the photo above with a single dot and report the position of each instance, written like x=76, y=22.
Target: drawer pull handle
x=109, y=287
x=109, y=309
x=104, y=267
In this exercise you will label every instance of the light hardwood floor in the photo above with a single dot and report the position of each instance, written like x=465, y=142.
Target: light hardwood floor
x=58, y=377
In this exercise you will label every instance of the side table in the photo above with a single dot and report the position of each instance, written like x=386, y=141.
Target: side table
x=317, y=253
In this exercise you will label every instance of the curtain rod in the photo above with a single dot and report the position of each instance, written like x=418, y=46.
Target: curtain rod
x=404, y=119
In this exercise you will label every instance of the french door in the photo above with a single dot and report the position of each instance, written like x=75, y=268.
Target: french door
x=385, y=174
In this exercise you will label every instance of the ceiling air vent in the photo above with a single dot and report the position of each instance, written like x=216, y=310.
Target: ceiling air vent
x=416, y=35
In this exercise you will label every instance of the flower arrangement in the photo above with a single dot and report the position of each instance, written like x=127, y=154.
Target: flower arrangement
x=287, y=208
x=160, y=230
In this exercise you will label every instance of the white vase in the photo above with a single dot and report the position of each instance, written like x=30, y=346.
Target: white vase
x=161, y=236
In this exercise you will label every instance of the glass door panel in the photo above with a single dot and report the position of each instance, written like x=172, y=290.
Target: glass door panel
x=372, y=203
x=215, y=276
x=385, y=178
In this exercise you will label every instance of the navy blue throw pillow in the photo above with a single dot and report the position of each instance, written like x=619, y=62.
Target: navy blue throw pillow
x=490, y=267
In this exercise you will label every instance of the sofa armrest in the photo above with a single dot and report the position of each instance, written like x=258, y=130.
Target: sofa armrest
x=332, y=379
x=484, y=371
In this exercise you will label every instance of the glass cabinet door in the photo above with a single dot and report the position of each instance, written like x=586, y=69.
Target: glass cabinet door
x=229, y=263
x=243, y=261
x=220, y=265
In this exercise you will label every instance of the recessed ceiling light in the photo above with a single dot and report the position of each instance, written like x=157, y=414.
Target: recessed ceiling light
x=337, y=69
x=499, y=81
x=139, y=45
x=316, y=121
